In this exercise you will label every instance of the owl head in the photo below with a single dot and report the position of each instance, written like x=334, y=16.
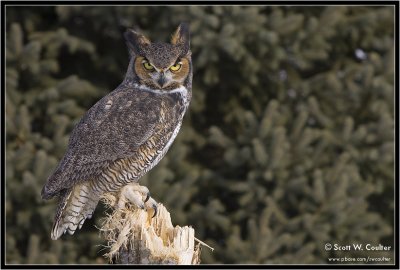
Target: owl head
x=158, y=65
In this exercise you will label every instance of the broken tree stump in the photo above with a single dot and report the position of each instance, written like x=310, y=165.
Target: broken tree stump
x=134, y=237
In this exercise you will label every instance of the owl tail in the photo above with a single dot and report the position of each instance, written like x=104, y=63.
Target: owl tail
x=76, y=204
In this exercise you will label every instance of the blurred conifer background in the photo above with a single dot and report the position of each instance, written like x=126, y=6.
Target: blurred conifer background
x=288, y=143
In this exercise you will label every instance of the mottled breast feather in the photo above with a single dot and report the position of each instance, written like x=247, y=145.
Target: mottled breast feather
x=115, y=128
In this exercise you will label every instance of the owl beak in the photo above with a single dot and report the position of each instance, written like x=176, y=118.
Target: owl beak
x=162, y=80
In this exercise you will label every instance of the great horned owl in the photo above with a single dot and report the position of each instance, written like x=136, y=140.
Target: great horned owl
x=127, y=132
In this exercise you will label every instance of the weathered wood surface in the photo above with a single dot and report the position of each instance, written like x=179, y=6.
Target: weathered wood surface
x=135, y=238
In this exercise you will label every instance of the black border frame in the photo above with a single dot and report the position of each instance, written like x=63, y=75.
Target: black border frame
x=202, y=3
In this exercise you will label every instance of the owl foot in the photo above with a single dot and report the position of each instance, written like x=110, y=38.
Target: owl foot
x=137, y=195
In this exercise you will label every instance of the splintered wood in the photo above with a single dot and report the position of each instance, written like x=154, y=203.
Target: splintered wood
x=135, y=238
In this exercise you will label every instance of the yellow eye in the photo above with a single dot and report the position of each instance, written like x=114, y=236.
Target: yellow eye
x=147, y=65
x=176, y=67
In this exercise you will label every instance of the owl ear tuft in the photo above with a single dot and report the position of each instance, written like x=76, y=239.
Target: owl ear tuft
x=181, y=36
x=136, y=42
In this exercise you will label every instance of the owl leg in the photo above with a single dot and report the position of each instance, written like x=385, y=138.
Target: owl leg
x=138, y=196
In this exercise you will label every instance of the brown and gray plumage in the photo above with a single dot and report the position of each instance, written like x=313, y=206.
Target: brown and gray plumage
x=127, y=132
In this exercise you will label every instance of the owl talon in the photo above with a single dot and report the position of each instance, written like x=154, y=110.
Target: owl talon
x=152, y=204
x=147, y=197
x=155, y=210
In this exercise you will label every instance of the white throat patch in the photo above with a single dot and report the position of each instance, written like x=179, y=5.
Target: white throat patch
x=181, y=89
